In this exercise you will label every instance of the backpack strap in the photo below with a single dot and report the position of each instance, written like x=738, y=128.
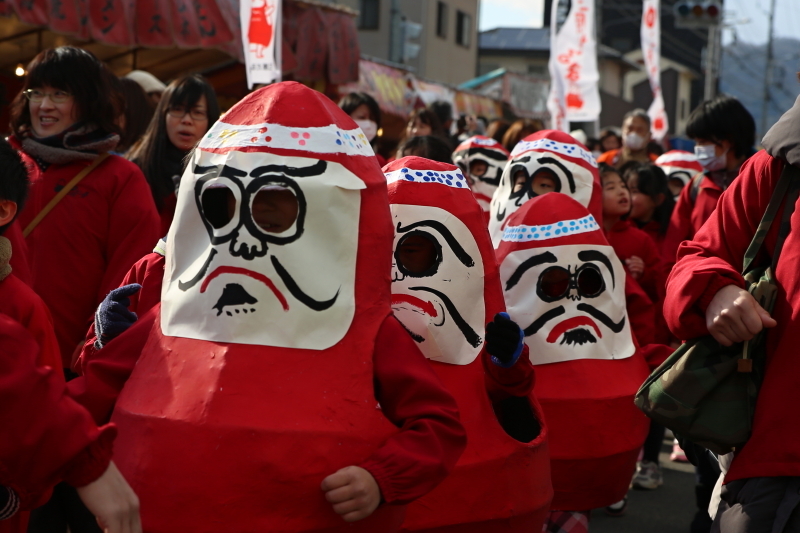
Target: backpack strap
x=789, y=175
x=62, y=193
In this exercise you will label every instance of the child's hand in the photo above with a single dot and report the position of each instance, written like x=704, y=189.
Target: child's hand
x=635, y=266
x=353, y=492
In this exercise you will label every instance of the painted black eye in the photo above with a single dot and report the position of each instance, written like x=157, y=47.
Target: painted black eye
x=274, y=209
x=417, y=254
x=219, y=205
x=590, y=281
x=553, y=283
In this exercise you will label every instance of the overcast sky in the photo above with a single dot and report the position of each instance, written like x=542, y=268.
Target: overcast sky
x=528, y=13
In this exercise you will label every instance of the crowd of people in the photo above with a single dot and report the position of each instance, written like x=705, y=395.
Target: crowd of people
x=198, y=314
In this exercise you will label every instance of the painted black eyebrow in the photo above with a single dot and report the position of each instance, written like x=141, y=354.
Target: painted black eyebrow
x=600, y=257
x=296, y=172
x=461, y=254
x=536, y=260
x=537, y=324
x=491, y=154
x=565, y=170
x=521, y=160
x=226, y=171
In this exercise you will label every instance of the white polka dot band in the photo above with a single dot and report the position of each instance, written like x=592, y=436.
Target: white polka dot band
x=484, y=142
x=326, y=140
x=570, y=150
x=550, y=231
x=451, y=178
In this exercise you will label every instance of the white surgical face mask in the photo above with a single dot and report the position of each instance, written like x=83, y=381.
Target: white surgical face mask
x=708, y=158
x=634, y=141
x=369, y=127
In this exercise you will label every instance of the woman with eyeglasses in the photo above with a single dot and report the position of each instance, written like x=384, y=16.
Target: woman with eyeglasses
x=81, y=244
x=187, y=109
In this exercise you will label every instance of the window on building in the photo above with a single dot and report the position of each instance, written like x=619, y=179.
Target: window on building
x=463, y=28
x=441, y=19
x=369, y=14
x=537, y=70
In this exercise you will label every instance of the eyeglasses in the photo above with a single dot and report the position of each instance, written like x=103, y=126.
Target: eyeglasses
x=180, y=111
x=555, y=282
x=57, y=97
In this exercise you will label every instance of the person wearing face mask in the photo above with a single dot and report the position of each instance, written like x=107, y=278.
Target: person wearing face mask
x=635, y=138
x=724, y=133
x=366, y=112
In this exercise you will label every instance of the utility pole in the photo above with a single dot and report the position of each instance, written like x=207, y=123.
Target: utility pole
x=768, y=69
x=712, y=60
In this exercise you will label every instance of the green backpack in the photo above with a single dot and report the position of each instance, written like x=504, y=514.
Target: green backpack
x=707, y=392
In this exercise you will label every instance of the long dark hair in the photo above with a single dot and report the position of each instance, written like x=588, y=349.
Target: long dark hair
x=652, y=181
x=150, y=152
x=79, y=73
x=139, y=110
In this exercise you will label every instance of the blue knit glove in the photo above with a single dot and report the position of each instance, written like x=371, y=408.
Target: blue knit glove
x=113, y=316
x=504, y=340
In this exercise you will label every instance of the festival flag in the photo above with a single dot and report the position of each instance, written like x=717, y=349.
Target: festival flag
x=261, y=38
x=651, y=49
x=574, y=91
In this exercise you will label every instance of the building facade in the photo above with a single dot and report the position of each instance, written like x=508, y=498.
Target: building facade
x=437, y=39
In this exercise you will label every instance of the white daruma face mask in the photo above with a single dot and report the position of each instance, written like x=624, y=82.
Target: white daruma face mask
x=255, y=254
x=440, y=303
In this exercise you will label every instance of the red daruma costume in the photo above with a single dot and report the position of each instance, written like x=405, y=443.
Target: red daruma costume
x=482, y=160
x=257, y=379
x=500, y=483
x=550, y=154
x=565, y=287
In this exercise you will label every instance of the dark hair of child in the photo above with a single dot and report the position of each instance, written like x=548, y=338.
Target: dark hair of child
x=13, y=178
x=352, y=101
x=723, y=118
x=652, y=181
x=427, y=146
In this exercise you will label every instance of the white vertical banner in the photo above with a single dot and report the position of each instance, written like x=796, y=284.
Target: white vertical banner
x=574, y=88
x=261, y=38
x=651, y=50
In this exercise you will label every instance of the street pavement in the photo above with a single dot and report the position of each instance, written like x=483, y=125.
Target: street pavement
x=668, y=509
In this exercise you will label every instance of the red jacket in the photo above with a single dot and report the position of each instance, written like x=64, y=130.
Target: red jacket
x=612, y=157
x=19, y=259
x=20, y=303
x=35, y=409
x=87, y=243
x=628, y=241
x=689, y=216
x=713, y=260
x=411, y=461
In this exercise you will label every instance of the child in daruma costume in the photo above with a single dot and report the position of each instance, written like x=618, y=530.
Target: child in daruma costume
x=546, y=161
x=445, y=289
x=565, y=286
x=482, y=160
x=256, y=380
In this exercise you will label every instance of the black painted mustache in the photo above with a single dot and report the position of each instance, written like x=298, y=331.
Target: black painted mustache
x=590, y=310
x=472, y=337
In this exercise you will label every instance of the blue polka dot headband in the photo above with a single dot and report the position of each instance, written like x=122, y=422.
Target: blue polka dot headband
x=569, y=150
x=451, y=178
x=550, y=231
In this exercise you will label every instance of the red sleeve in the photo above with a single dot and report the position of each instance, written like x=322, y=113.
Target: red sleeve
x=134, y=228
x=518, y=380
x=714, y=258
x=47, y=437
x=680, y=227
x=147, y=272
x=641, y=312
x=431, y=439
x=106, y=371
